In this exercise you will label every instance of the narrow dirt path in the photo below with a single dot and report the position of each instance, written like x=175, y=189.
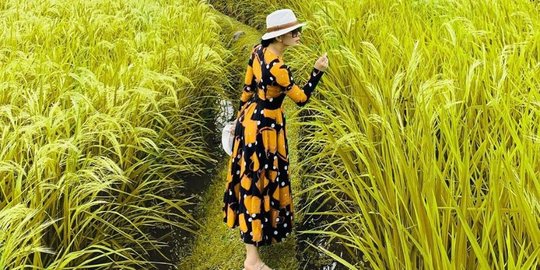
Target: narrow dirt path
x=216, y=246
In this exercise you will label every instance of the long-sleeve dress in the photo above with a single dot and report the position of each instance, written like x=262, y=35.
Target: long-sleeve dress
x=257, y=194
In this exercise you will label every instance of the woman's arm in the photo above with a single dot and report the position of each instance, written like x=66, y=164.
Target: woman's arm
x=250, y=85
x=299, y=95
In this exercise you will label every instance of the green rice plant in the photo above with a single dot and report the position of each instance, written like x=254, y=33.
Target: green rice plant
x=422, y=150
x=102, y=106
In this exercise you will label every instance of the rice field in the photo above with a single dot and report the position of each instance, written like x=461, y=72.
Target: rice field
x=419, y=149
x=422, y=147
x=100, y=107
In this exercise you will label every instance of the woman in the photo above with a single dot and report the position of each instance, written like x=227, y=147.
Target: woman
x=258, y=194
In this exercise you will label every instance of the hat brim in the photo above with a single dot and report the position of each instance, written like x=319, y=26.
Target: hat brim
x=278, y=33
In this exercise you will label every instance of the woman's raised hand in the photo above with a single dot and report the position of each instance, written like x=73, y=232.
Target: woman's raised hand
x=322, y=63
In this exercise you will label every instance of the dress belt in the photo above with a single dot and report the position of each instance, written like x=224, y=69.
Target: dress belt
x=267, y=104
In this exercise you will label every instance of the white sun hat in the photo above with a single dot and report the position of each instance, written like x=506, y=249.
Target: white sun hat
x=280, y=22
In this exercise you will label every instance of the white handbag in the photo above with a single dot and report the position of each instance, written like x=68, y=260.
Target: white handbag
x=227, y=137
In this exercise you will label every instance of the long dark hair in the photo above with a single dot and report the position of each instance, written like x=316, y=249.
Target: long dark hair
x=267, y=42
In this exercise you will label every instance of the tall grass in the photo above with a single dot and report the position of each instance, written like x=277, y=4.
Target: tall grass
x=102, y=105
x=424, y=136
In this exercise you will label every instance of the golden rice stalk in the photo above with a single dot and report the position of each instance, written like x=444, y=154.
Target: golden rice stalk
x=423, y=141
x=102, y=105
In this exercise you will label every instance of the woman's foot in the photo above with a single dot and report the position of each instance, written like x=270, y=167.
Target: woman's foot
x=260, y=265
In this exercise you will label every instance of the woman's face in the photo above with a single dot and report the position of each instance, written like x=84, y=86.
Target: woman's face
x=292, y=38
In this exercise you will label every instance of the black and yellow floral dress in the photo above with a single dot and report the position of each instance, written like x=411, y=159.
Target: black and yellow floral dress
x=258, y=190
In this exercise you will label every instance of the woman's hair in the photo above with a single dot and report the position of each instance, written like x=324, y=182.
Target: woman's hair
x=267, y=42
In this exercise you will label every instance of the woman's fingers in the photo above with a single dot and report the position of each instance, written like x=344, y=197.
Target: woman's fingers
x=325, y=59
x=322, y=62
